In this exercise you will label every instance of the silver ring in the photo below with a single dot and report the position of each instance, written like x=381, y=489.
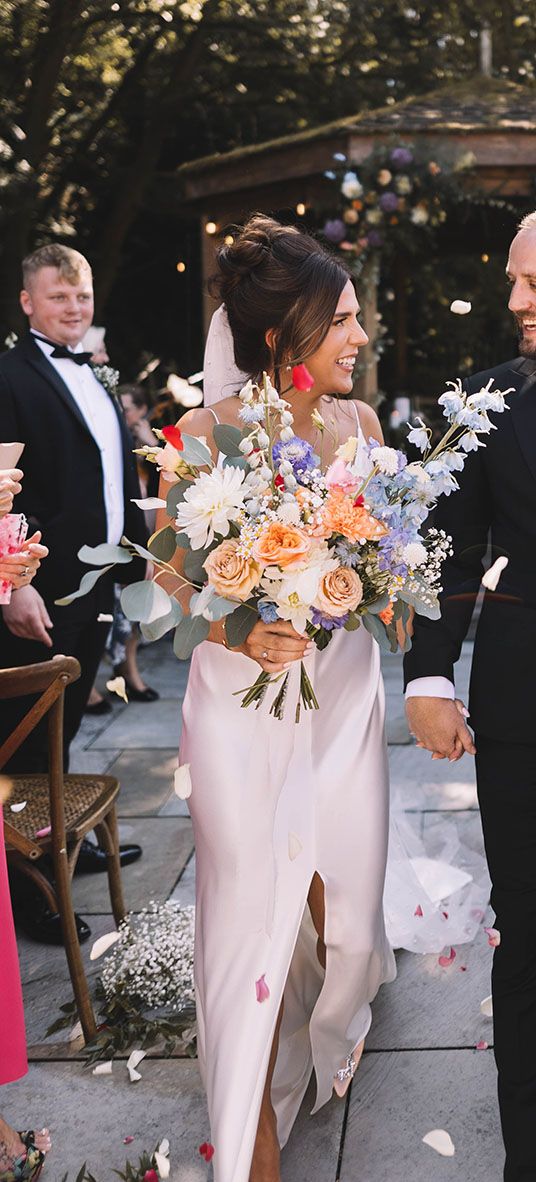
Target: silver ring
x=265, y=655
x=25, y=571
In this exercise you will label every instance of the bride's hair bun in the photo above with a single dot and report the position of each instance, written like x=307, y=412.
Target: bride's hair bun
x=276, y=277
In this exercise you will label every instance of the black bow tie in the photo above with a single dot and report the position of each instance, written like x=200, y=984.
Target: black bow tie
x=63, y=351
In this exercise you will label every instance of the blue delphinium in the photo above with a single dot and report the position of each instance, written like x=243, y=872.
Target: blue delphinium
x=267, y=611
x=297, y=452
x=328, y=622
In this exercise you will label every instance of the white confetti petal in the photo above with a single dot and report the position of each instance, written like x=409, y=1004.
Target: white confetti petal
x=105, y=618
x=132, y=1062
x=294, y=846
x=103, y=944
x=460, y=307
x=486, y=1007
x=149, y=502
x=117, y=686
x=441, y=1141
x=183, y=781
x=163, y=1148
x=103, y=1068
x=17, y=808
x=491, y=578
x=76, y=1032
x=162, y=1164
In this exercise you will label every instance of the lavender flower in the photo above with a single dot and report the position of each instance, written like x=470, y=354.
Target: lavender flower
x=388, y=202
x=297, y=452
x=334, y=230
x=328, y=622
x=401, y=157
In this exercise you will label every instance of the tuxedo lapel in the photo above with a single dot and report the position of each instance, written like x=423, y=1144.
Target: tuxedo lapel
x=523, y=411
x=39, y=363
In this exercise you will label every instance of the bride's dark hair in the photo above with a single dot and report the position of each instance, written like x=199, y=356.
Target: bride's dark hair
x=276, y=277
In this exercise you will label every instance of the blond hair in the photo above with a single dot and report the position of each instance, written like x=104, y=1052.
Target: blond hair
x=70, y=264
x=528, y=222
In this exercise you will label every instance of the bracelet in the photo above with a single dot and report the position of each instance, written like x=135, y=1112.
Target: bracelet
x=223, y=634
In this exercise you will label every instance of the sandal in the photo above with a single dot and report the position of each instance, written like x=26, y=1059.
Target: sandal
x=28, y=1166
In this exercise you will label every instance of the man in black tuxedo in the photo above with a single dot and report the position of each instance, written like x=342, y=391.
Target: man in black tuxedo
x=79, y=482
x=497, y=499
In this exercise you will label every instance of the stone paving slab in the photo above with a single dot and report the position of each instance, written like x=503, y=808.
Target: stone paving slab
x=146, y=780
x=420, y=782
x=167, y=845
x=46, y=984
x=141, y=726
x=397, y=1098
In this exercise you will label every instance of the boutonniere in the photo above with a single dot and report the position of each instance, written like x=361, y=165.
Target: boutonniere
x=108, y=377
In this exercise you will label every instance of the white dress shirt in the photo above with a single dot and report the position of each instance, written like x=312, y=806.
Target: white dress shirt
x=99, y=413
x=430, y=687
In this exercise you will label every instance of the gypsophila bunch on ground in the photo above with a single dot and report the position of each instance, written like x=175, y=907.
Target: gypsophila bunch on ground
x=152, y=962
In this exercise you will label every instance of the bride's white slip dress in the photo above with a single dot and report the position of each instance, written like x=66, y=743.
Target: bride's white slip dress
x=273, y=802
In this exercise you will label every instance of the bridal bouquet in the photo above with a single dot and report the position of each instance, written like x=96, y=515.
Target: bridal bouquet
x=270, y=534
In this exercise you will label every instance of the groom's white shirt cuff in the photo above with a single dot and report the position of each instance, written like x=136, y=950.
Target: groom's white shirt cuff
x=430, y=687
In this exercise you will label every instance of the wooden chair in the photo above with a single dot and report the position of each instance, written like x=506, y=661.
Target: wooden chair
x=72, y=805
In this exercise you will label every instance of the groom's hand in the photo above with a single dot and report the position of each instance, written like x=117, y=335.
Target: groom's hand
x=439, y=726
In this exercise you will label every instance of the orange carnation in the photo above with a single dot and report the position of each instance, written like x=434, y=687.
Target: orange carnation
x=341, y=516
x=386, y=616
x=281, y=545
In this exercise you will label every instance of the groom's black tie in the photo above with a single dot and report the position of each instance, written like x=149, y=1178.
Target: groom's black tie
x=63, y=351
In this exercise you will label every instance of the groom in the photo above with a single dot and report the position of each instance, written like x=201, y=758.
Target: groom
x=497, y=498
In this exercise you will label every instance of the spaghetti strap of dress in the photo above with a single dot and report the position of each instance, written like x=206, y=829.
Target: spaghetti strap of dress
x=213, y=412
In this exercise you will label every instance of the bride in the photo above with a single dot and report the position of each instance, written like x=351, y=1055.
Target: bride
x=290, y=821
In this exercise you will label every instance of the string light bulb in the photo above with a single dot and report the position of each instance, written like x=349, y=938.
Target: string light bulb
x=300, y=209
x=181, y=267
x=211, y=227
x=228, y=240
x=485, y=258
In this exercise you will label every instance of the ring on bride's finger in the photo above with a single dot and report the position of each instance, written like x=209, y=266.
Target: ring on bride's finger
x=265, y=655
x=25, y=572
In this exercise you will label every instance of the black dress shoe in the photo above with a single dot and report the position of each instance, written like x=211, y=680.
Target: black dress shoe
x=92, y=859
x=102, y=707
x=136, y=695
x=44, y=925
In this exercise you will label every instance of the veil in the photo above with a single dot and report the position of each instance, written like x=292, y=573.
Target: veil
x=221, y=373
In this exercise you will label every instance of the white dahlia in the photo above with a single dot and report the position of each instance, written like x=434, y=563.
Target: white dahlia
x=210, y=504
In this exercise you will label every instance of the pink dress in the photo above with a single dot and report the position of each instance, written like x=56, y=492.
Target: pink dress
x=13, y=1062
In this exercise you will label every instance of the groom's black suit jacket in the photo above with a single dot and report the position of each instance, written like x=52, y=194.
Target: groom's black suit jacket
x=63, y=487
x=497, y=498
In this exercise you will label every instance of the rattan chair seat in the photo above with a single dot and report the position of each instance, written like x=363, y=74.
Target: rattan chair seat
x=86, y=798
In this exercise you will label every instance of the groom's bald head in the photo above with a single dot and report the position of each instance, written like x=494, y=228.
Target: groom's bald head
x=521, y=272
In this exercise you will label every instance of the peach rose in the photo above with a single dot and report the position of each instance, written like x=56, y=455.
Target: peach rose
x=340, y=591
x=281, y=545
x=231, y=575
x=341, y=516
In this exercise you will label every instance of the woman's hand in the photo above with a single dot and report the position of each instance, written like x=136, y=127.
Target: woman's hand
x=275, y=646
x=19, y=569
x=10, y=485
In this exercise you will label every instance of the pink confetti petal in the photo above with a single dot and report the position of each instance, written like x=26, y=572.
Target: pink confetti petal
x=482, y=1045
x=418, y=911
x=494, y=937
x=128, y=1140
x=445, y=961
x=44, y=832
x=445, y=914
x=207, y=1151
x=463, y=968
x=262, y=989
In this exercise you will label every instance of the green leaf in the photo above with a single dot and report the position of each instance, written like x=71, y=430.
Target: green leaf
x=145, y=601
x=98, y=555
x=182, y=542
x=377, y=631
x=211, y=606
x=87, y=583
x=353, y=622
x=235, y=462
x=189, y=633
x=431, y=611
x=176, y=494
x=162, y=543
x=81, y=1174
x=196, y=452
x=238, y=625
x=379, y=605
x=227, y=439
x=159, y=627
x=193, y=565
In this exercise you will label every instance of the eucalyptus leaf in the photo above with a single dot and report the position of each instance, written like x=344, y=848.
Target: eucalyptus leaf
x=196, y=452
x=191, y=631
x=162, y=543
x=377, y=631
x=235, y=462
x=176, y=494
x=238, y=625
x=227, y=439
x=379, y=605
x=353, y=622
x=145, y=601
x=158, y=628
x=87, y=583
x=141, y=550
x=182, y=541
x=431, y=611
x=193, y=565
x=210, y=605
x=105, y=553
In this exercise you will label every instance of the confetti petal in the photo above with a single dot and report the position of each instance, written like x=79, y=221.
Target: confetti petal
x=44, y=832
x=17, y=808
x=486, y=1007
x=494, y=937
x=162, y=1164
x=182, y=781
x=207, y=1151
x=76, y=1032
x=132, y=1062
x=128, y=1140
x=301, y=378
x=460, y=307
x=105, y=618
x=116, y=685
x=419, y=911
x=103, y=944
x=173, y=436
x=103, y=1068
x=294, y=846
x=163, y=1148
x=441, y=1141
x=491, y=578
x=482, y=1045
x=445, y=961
x=149, y=502
x=262, y=989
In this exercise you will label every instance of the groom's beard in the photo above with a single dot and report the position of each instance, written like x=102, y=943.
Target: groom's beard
x=527, y=344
